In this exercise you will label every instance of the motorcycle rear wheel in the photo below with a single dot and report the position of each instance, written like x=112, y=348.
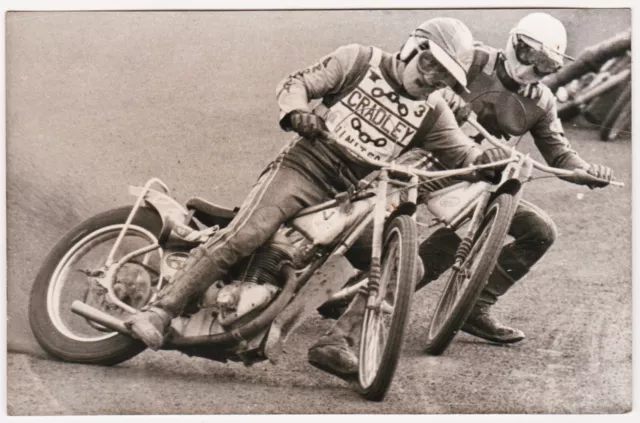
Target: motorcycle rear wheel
x=380, y=347
x=465, y=284
x=60, y=332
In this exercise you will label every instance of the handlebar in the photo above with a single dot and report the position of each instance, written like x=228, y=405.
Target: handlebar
x=578, y=174
x=409, y=170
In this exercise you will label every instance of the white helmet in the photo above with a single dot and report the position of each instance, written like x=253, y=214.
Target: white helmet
x=535, y=48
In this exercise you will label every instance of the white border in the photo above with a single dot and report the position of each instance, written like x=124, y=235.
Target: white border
x=26, y=5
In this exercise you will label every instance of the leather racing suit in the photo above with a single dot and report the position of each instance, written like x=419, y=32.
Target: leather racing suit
x=366, y=106
x=506, y=108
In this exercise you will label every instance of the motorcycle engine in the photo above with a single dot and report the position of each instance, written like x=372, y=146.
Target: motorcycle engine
x=254, y=283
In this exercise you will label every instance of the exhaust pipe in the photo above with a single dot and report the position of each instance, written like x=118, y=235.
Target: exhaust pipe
x=95, y=315
x=221, y=340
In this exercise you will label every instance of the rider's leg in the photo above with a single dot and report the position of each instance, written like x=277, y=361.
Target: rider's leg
x=438, y=254
x=334, y=352
x=533, y=232
x=277, y=196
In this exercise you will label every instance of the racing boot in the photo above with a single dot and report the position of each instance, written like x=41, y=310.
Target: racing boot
x=149, y=325
x=480, y=323
x=334, y=352
x=198, y=272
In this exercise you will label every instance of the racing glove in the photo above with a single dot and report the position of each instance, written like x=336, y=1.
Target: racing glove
x=307, y=125
x=532, y=91
x=491, y=155
x=600, y=172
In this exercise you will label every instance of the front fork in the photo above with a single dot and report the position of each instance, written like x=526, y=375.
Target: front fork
x=374, y=300
x=467, y=242
x=520, y=170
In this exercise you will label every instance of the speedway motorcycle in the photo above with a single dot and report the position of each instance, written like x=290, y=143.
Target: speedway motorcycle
x=612, y=86
x=481, y=213
x=114, y=263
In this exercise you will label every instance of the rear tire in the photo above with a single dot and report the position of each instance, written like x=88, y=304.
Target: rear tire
x=465, y=284
x=379, y=357
x=48, y=326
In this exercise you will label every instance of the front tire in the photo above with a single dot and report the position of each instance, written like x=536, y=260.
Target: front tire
x=59, y=331
x=465, y=284
x=380, y=347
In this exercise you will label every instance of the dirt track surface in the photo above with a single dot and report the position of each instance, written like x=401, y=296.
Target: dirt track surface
x=102, y=100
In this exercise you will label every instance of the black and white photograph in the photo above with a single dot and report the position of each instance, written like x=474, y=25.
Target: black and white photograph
x=366, y=211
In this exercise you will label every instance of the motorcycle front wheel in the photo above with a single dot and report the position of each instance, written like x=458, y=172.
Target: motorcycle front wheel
x=63, y=278
x=465, y=283
x=383, y=328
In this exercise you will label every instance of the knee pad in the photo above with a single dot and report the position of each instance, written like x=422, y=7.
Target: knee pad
x=545, y=233
x=533, y=228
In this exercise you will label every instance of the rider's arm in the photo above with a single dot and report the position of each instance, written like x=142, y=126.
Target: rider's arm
x=326, y=77
x=444, y=137
x=554, y=146
x=453, y=100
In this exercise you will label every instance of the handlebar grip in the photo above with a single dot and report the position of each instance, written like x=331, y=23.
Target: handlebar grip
x=581, y=175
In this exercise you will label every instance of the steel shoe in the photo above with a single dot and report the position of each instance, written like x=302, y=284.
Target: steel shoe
x=334, y=355
x=149, y=326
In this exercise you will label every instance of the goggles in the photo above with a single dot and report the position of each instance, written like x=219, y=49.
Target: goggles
x=432, y=71
x=531, y=52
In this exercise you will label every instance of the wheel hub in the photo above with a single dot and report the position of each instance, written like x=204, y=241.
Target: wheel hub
x=132, y=285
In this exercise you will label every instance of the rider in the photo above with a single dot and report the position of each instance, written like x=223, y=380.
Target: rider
x=505, y=94
x=590, y=60
x=384, y=99
x=508, y=100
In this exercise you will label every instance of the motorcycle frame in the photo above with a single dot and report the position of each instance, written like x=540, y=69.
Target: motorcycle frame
x=519, y=166
x=168, y=208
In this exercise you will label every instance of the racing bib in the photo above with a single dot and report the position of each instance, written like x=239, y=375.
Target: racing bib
x=374, y=118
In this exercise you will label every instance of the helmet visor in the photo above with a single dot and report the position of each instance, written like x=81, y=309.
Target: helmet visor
x=532, y=52
x=433, y=70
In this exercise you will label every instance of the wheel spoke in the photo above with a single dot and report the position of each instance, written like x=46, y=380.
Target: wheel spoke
x=374, y=345
x=377, y=320
x=383, y=328
x=461, y=278
x=67, y=284
x=465, y=282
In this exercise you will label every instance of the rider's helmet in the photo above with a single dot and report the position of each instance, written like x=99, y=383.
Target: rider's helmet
x=438, y=53
x=535, y=48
